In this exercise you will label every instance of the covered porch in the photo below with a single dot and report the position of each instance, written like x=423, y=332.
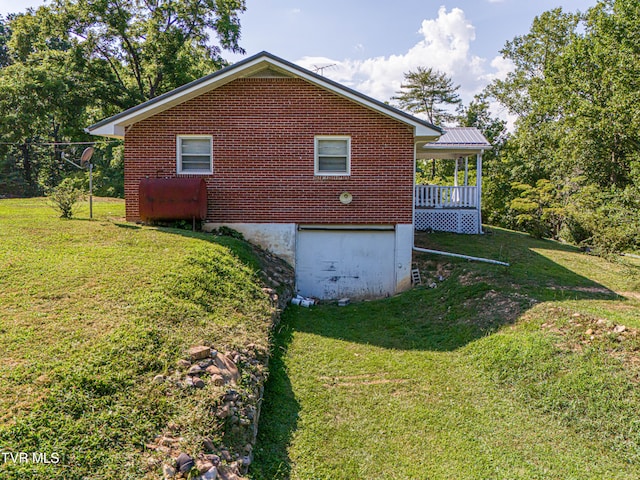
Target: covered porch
x=452, y=208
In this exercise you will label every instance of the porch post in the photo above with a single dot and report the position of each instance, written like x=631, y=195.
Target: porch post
x=479, y=189
x=455, y=173
x=466, y=171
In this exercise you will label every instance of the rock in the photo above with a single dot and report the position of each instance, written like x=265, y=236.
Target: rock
x=224, y=412
x=203, y=466
x=168, y=471
x=228, y=473
x=225, y=455
x=182, y=363
x=231, y=396
x=198, y=382
x=619, y=329
x=200, y=352
x=211, y=474
x=589, y=332
x=158, y=379
x=576, y=315
x=205, y=363
x=194, y=370
x=184, y=463
x=248, y=448
x=213, y=458
x=208, y=445
x=218, y=380
x=213, y=370
x=227, y=368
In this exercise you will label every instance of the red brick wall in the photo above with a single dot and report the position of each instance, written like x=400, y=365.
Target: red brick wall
x=263, y=155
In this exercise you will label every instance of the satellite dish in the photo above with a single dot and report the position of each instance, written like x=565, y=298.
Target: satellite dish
x=86, y=155
x=346, y=198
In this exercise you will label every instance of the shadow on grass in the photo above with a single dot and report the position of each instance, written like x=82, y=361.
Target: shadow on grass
x=471, y=301
x=279, y=415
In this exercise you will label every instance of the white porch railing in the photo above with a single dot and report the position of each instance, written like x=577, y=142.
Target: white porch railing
x=434, y=196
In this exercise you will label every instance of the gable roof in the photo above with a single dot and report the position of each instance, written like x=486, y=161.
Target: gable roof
x=455, y=142
x=115, y=126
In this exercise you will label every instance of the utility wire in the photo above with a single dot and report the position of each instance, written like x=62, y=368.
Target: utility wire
x=58, y=143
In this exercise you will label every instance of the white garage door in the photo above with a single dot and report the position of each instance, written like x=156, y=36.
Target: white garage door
x=332, y=264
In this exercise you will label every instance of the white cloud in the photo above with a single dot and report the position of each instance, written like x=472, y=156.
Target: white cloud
x=445, y=45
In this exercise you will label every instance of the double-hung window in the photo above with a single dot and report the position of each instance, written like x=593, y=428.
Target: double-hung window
x=333, y=155
x=195, y=154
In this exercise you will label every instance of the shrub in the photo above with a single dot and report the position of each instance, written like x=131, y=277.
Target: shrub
x=65, y=196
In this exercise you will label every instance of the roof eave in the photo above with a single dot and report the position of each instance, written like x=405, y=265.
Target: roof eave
x=451, y=151
x=115, y=126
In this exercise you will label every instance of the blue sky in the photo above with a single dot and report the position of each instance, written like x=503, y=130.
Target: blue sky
x=370, y=44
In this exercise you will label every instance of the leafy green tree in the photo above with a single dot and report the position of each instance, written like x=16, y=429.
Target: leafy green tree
x=143, y=49
x=537, y=209
x=41, y=102
x=5, y=34
x=497, y=180
x=575, y=90
x=428, y=91
x=77, y=61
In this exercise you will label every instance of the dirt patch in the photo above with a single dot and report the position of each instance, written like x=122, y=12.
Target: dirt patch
x=630, y=295
x=577, y=332
x=472, y=278
x=495, y=309
x=596, y=290
x=359, y=380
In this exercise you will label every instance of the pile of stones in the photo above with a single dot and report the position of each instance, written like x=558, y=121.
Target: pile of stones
x=236, y=378
x=237, y=411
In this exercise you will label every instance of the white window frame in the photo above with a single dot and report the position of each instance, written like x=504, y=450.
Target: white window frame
x=179, y=169
x=316, y=156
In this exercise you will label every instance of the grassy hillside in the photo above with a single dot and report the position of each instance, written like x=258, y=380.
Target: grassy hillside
x=90, y=312
x=525, y=372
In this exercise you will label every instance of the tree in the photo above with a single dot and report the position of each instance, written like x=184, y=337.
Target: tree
x=141, y=49
x=427, y=91
x=42, y=97
x=70, y=64
x=575, y=89
x=5, y=34
x=496, y=181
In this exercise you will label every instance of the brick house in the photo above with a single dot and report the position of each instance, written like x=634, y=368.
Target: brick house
x=308, y=168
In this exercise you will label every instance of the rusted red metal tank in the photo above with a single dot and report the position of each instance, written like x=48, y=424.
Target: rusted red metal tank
x=172, y=199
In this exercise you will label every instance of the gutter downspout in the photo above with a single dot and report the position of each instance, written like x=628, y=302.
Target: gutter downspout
x=457, y=255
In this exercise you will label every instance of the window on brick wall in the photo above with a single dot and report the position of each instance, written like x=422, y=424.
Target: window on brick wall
x=333, y=155
x=195, y=154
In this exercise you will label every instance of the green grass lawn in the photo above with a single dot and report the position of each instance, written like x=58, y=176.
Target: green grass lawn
x=497, y=373
x=90, y=312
